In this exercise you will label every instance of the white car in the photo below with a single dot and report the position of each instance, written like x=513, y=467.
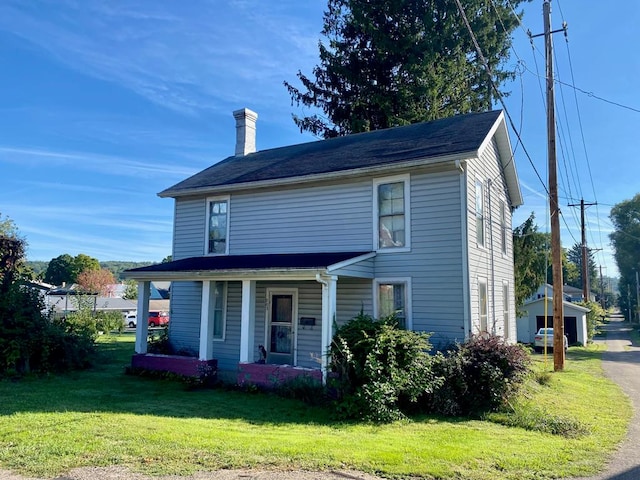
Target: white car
x=131, y=319
x=539, y=340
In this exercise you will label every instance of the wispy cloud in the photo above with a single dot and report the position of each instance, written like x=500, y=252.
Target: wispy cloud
x=113, y=165
x=187, y=57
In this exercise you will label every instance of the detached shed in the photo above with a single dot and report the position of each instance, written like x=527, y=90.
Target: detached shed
x=575, y=320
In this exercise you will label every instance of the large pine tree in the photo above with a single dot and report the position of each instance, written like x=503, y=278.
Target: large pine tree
x=386, y=63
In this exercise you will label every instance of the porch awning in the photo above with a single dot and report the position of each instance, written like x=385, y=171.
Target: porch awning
x=242, y=266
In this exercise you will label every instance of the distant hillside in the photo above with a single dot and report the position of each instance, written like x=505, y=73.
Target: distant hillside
x=115, y=266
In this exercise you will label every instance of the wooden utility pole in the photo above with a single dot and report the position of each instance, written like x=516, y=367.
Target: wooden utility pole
x=586, y=288
x=602, y=302
x=556, y=247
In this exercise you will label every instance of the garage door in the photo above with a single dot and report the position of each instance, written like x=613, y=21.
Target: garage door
x=570, y=327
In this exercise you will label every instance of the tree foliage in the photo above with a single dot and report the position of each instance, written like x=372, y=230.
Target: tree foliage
x=387, y=63
x=625, y=239
x=65, y=268
x=96, y=281
x=574, y=256
x=530, y=249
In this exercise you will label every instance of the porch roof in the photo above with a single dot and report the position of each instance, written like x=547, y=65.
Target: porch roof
x=287, y=264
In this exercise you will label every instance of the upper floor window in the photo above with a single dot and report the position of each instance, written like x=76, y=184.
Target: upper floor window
x=503, y=227
x=479, y=213
x=505, y=309
x=217, y=225
x=391, y=212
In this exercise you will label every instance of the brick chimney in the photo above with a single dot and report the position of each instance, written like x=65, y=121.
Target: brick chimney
x=245, y=131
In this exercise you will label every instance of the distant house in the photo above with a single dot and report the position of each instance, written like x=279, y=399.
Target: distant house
x=536, y=309
x=273, y=249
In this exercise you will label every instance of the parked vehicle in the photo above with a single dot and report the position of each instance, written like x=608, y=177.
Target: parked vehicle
x=156, y=319
x=539, y=340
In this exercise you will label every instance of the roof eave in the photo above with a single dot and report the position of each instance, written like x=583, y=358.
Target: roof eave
x=230, y=274
x=426, y=162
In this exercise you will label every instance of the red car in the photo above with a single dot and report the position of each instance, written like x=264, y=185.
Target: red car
x=158, y=319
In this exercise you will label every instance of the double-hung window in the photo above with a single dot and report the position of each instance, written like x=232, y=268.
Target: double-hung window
x=479, y=213
x=503, y=227
x=391, y=212
x=393, y=298
x=218, y=310
x=483, y=309
x=505, y=308
x=217, y=226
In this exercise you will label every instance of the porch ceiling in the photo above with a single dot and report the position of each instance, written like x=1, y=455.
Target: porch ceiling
x=291, y=265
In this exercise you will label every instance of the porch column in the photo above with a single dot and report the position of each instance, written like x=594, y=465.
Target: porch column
x=142, y=316
x=329, y=288
x=206, y=322
x=248, y=320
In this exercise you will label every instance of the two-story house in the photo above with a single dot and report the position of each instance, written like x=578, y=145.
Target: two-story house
x=273, y=248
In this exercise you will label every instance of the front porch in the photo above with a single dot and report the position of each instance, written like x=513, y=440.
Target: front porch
x=281, y=314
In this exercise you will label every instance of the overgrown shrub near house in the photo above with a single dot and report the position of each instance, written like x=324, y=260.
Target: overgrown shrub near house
x=379, y=370
x=480, y=376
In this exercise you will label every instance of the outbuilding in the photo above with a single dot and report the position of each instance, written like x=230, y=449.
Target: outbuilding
x=575, y=320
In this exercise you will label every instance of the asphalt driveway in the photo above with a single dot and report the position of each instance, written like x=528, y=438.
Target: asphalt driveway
x=621, y=363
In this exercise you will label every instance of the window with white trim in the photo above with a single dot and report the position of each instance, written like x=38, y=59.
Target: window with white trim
x=391, y=212
x=483, y=311
x=217, y=226
x=479, y=213
x=218, y=310
x=505, y=308
x=503, y=227
x=393, y=298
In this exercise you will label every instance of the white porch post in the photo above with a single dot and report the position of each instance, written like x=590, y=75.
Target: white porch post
x=248, y=320
x=329, y=290
x=206, y=322
x=142, y=316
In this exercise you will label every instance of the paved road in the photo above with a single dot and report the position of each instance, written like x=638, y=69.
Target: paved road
x=621, y=363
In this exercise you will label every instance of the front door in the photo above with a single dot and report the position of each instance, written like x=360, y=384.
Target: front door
x=280, y=327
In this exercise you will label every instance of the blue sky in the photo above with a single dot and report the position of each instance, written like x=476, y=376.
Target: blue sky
x=104, y=104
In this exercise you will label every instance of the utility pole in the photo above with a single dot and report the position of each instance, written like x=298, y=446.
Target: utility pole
x=637, y=297
x=586, y=288
x=556, y=247
x=602, y=302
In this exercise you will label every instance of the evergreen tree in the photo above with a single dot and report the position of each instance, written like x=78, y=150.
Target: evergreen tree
x=530, y=249
x=574, y=255
x=387, y=63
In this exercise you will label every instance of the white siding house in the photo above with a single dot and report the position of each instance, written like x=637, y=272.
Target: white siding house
x=273, y=248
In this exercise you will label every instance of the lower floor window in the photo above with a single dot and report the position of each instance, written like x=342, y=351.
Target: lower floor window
x=392, y=300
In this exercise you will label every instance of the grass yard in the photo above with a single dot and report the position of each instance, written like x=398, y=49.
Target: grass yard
x=103, y=417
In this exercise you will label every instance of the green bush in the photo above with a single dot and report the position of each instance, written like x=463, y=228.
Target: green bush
x=31, y=341
x=108, y=322
x=379, y=369
x=480, y=376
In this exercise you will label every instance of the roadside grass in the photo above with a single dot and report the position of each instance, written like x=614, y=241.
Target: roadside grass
x=103, y=417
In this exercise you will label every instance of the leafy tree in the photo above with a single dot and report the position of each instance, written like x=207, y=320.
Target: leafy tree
x=530, y=250
x=59, y=270
x=625, y=239
x=167, y=259
x=96, y=281
x=66, y=268
x=386, y=63
x=574, y=256
x=570, y=271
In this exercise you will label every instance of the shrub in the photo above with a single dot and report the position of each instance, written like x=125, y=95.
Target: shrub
x=380, y=369
x=108, y=322
x=32, y=342
x=594, y=317
x=304, y=388
x=480, y=376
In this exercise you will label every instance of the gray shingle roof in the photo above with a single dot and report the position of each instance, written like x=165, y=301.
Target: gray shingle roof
x=449, y=136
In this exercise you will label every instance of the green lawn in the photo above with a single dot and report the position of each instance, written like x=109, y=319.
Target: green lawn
x=103, y=417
